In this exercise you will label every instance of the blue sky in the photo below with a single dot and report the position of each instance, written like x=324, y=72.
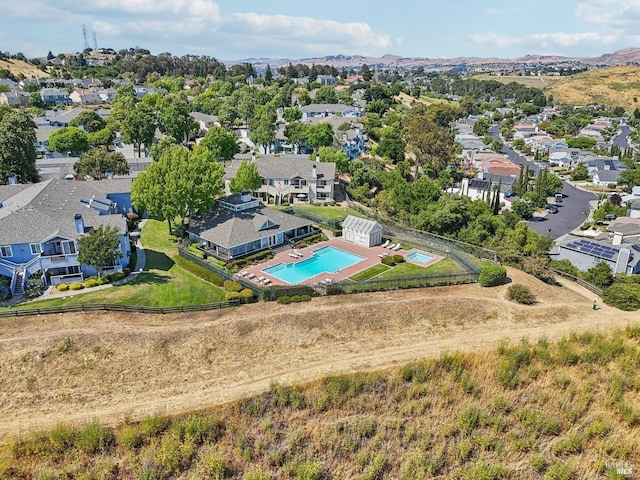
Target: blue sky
x=240, y=29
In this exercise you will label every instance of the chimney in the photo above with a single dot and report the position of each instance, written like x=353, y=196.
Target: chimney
x=79, y=222
x=314, y=172
x=253, y=156
x=317, y=158
x=245, y=196
x=13, y=180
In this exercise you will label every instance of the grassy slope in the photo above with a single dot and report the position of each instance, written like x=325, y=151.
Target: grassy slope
x=615, y=86
x=546, y=410
x=535, y=82
x=18, y=66
x=162, y=284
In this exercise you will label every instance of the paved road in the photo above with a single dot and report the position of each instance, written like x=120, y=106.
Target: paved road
x=622, y=139
x=573, y=210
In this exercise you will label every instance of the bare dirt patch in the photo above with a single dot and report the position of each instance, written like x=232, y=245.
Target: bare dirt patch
x=76, y=368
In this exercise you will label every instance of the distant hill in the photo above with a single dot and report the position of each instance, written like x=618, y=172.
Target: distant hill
x=17, y=67
x=614, y=86
x=620, y=57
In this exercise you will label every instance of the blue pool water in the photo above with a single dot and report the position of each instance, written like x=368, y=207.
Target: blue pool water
x=419, y=257
x=324, y=260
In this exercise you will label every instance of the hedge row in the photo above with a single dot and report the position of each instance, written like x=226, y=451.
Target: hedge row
x=90, y=282
x=285, y=300
x=198, y=271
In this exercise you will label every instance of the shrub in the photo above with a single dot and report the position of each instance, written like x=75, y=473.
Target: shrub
x=62, y=287
x=232, y=286
x=114, y=277
x=232, y=296
x=398, y=258
x=90, y=283
x=76, y=286
x=492, y=275
x=521, y=294
x=388, y=261
x=283, y=300
x=559, y=472
x=623, y=296
x=246, y=294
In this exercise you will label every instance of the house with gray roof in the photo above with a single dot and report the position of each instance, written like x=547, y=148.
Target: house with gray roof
x=621, y=253
x=290, y=179
x=239, y=225
x=55, y=96
x=328, y=109
x=41, y=226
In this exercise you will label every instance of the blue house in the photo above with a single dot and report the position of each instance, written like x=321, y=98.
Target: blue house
x=40, y=225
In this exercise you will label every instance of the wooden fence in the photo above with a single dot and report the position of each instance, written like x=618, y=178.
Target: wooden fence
x=105, y=307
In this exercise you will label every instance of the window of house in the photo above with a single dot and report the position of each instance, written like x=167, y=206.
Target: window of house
x=322, y=183
x=286, y=181
x=5, y=251
x=271, y=182
x=36, y=248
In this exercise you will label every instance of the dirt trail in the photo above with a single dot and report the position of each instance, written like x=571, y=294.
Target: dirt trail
x=68, y=368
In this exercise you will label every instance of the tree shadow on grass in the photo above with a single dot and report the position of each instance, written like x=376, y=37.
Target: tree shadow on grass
x=157, y=261
x=146, y=278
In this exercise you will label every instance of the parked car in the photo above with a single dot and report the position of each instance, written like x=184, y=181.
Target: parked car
x=552, y=209
x=559, y=197
x=610, y=217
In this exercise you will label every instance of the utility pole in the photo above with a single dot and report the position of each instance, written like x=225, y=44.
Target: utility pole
x=84, y=36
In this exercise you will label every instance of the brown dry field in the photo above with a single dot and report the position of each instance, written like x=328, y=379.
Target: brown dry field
x=534, y=82
x=77, y=368
x=18, y=66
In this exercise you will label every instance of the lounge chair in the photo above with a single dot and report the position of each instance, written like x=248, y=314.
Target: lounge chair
x=251, y=275
x=293, y=255
x=328, y=281
x=260, y=279
x=266, y=281
x=382, y=255
x=297, y=252
x=396, y=247
x=244, y=274
x=385, y=244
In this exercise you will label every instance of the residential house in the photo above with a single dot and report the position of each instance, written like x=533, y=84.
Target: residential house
x=290, y=179
x=326, y=79
x=87, y=96
x=205, y=121
x=634, y=209
x=15, y=98
x=604, y=171
x=621, y=253
x=41, y=225
x=55, y=97
x=239, y=225
x=328, y=109
x=476, y=188
x=502, y=168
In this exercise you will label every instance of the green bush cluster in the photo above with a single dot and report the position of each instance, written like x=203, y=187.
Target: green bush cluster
x=392, y=260
x=285, y=299
x=310, y=240
x=62, y=287
x=492, y=275
x=232, y=286
x=232, y=296
x=521, y=294
x=76, y=286
x=235, y=264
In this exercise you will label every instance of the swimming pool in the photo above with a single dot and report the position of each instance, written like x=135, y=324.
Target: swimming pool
x=417, y=256
x=324, y=260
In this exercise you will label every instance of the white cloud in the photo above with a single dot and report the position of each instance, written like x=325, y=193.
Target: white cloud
x=310, y=34
x=610, y=14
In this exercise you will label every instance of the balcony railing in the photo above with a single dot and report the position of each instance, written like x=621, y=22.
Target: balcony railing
x=55, y=261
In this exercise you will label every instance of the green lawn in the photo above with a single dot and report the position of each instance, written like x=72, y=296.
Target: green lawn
x=162, y=284
x=407, y=269
x=332, y=213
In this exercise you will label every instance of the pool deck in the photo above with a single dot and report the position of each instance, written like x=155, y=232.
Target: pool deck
x=371, y=257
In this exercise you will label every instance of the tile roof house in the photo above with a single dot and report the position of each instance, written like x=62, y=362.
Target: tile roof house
x=239, y=225
x=290, y=178
x=41, y=225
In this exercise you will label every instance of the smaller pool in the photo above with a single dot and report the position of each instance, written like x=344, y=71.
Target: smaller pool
x=419, y=257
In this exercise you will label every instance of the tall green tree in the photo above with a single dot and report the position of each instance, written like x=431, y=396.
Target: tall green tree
x=139, y=127
x=296, y=133
x=320, y=135
x=124, y=102
x=96, y=163
x=17, y=152
x=264, y=128
x=90, y=120
x=100, y=248
x=223, y=145
x=68, y=139
x=164, y=143
x=431, y=144
x=175, y=119
x=247, y=178
x=177, y=185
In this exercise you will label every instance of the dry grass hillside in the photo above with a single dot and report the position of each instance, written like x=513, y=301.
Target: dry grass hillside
x=534, y=82
x=17, y=67
x=409, y=101
x=614, y=86
x=64, y=373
